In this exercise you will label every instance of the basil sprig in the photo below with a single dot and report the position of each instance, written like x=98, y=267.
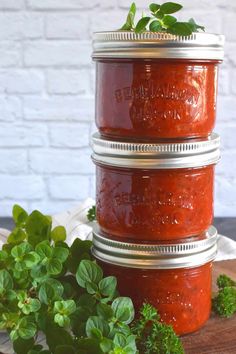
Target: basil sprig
x=161, y=20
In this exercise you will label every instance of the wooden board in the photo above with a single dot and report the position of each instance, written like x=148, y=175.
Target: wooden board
x=218, y=336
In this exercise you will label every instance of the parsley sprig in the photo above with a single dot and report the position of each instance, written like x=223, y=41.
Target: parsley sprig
x=224, y=303
x=161, y=20
x=154, y=337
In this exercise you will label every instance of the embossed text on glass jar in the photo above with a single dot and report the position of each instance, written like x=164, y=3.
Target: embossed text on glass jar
x=182, y=296
x=150, y=205
x=158, y=98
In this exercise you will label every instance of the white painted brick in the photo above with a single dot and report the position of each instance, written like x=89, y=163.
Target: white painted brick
x=20, y=25
x=107, y=21
x=230, y=48
x=13, y=161
x=10, y=54
x=11, y=4
x=227, y=131
x=226, y=108
x=23, y=135
x=222, y=210
x=92, y=193
x=69, y=135
x=68, y=4
x=7, y=205
x=62, y=108
x=205, y=17
x=61, y=162
x=227, y=165
x=72, y=187
x=28, y=187
x=233, y=80
x=67, y=25
x=10, y=108
x=228, y=26
x=224, y=82
x=68, y=81
x=52, y=207
x=57, y=53
x=225, y=190
x=24, y=81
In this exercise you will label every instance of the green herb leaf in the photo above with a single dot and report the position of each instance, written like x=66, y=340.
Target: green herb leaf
x=181, y=29
x=104, y=311
x=16, y=236
x=19, y=215
x=88, y=272
x=58, y=234
x=170, y=7
x=195, y=26
x=95, y=323
x=159, y=15
x=107, y=286
x=129, y=21
x=169, y=21
x=38, y=228
x=155, y=26
x=123, y=309
x=141, y=25
x=50, y=291
x=6, y=282
x=154, y=7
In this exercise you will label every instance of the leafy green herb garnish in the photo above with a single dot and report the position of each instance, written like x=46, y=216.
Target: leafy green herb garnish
x=161, y=20
x=154, y=337
x=47, y=286
x=224, y=303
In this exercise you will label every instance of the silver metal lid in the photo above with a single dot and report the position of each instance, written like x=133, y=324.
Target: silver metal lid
x=159, y=256
x=162, y=155
x=127, y=44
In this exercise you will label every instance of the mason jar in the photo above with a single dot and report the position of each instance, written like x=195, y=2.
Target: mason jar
x=175, y=278
x=147, y=192
x=156, y=85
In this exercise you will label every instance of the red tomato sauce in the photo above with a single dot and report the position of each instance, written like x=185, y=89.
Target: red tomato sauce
x=182, y=296
x=158, y=98
x=137, y=205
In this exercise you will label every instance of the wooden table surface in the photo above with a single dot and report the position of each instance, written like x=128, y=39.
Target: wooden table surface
x=218, y=336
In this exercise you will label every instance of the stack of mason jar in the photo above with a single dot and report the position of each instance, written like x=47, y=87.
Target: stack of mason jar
x=155, y=156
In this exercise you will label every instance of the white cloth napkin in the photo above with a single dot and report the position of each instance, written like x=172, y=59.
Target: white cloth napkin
x=77, y=225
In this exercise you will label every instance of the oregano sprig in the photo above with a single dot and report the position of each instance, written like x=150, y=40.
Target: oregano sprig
x=160, y=20
x=48, y=287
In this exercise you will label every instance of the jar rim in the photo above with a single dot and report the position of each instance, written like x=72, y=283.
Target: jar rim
x=159, y=256
x=128, y=44
x=162, y=155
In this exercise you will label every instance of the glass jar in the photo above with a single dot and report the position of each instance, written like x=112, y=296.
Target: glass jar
x=176, y=279
x=156, y=85
x=150, y=192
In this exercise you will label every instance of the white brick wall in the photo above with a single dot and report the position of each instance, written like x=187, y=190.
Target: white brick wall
x=47, y=98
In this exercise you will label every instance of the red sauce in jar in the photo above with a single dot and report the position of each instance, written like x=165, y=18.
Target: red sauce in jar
x=156, y=98
x=149, y=205
x=182, y=296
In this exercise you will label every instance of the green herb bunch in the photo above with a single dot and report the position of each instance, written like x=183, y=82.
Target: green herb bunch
x=161, y=20
x=224, y=303
x=154, y=337
x=47, y=286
